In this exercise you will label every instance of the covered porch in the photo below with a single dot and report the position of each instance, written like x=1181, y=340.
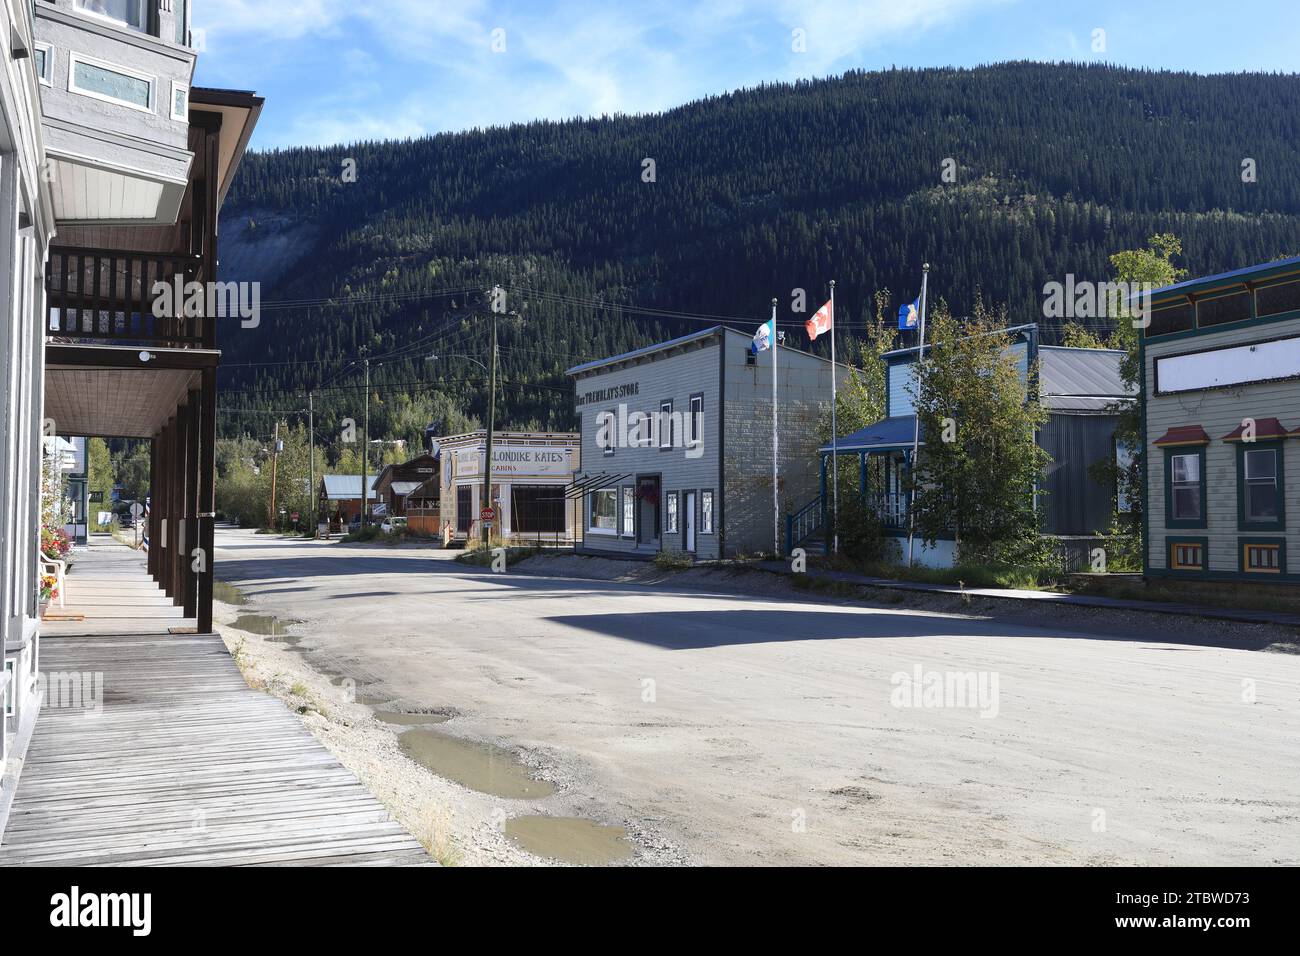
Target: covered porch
x=166, y=396
x=882, y=453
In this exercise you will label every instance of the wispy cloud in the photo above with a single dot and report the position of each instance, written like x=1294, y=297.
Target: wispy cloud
x=340, y=71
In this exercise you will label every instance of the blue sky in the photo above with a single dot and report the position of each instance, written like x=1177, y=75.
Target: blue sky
x=341, y=70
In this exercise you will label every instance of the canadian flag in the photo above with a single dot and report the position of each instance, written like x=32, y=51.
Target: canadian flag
x=821, y=321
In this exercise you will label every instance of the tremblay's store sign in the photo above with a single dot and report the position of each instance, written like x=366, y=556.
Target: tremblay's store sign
x=509, y=460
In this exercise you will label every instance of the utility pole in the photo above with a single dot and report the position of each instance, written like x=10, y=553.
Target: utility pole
x=491, y=424
x=365, y=452
x=275, y=461
x=313, y=501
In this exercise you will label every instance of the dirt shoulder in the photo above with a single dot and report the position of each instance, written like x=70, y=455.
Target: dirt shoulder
x=456, y=824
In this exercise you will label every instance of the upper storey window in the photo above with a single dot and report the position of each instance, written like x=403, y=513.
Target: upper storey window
x=132, y=13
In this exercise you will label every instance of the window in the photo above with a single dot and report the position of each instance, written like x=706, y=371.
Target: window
x=43, y=58
x=696, y=427
x=751, y=357
x=1187, y=554
x=629, y=511
x=1263, y=557
x=1185, y=489
x=133, y=13
x=604, y=511
x=180, y=101
x=1222, y=309
x=670, y=504
x=114, y=84
x=1259, y=485
x=1276, y=299
x=665, y=424
x=537, y=509
x=1177, y=318
x=706, y=512
x=605, y=428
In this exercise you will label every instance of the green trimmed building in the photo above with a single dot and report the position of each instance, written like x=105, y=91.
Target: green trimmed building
x=1221, y=388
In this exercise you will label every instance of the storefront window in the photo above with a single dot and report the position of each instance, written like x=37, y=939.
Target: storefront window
x=604, y=510
x=671, y=503
x=706, y=512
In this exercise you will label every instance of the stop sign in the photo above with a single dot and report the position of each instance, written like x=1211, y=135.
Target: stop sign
x=487, y=514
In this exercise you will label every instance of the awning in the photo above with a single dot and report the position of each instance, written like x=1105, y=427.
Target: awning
x=405, y=487
x=1265, y=429
x=1183, y=435
x=889, y=434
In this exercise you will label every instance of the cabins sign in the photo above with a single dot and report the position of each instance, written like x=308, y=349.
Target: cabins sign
x=511, y=460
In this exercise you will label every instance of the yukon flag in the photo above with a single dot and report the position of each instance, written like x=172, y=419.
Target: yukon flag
x=764, y=337
x=821, y=321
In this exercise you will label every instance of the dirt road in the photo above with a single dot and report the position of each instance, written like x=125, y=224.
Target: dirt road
x=747, y=729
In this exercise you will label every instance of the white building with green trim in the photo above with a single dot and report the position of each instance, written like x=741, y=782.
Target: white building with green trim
x=1221, y=389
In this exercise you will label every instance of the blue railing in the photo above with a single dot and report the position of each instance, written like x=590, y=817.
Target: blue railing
x=804, y=523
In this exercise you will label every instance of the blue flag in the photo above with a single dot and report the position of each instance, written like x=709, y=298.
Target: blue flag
x=909, y=315
x=764, y=337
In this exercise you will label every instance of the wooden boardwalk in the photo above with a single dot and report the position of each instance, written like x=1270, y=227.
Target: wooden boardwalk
x=173, y=760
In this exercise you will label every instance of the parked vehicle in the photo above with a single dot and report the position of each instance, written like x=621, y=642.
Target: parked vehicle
x=393, y=525
x=354, y=525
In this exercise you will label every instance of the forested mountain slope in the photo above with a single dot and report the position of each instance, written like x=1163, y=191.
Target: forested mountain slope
x=755, y=194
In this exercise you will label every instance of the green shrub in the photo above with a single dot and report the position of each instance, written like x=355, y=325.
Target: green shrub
x=673, y=561
x=862, y=539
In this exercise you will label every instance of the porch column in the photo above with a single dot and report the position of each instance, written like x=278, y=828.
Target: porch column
x=207, y=495
x=150, y=529
x=176, y=509
x=189, y=511
x=163, y=504
x=862, y=476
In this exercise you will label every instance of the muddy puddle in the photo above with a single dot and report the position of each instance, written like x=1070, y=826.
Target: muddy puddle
x=268, y=625
x=228, y=593
x=570, y=839
x=481, y=767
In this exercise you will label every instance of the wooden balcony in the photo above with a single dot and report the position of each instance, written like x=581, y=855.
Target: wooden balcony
x=104, y=296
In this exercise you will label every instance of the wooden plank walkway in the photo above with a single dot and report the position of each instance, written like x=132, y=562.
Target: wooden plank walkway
x=179, y=763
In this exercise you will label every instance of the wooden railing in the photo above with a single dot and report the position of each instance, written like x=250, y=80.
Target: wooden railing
x=109, y=296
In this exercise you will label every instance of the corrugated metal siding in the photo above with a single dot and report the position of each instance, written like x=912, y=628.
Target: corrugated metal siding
x=902, y=375
x=1074, y=503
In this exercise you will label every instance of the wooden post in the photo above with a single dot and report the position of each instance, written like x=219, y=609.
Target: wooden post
x=176, y=508
x=151, y=559
x=207, y=495
x=189, y=510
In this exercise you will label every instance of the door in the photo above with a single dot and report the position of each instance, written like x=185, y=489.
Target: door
x=464, y=509
x=688, y=521
x=647, y=525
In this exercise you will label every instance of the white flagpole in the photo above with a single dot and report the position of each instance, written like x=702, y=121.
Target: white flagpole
x=776, y=498
x=835, y=434
x=916, y=431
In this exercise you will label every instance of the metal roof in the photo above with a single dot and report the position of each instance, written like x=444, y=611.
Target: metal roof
x=896, y=432
x=647, y=350
x=1073, y=379
x=1189, y=285
x=347, y=487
